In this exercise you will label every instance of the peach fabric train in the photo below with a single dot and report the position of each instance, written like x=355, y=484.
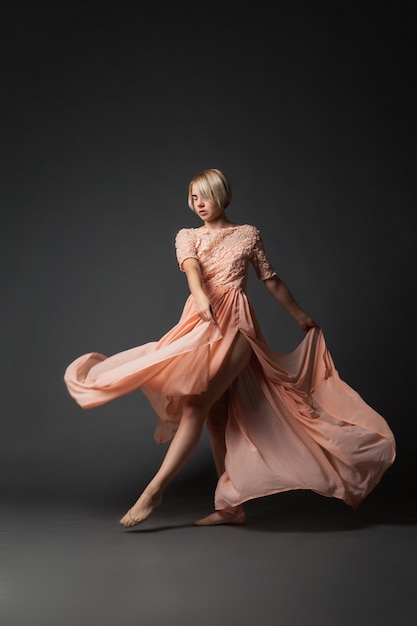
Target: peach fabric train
x=293, y=423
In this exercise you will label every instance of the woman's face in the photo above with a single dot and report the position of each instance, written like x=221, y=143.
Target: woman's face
x=204, y=207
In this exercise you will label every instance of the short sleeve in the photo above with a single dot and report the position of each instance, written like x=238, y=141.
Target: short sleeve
x=260, y=261
x=185, y=246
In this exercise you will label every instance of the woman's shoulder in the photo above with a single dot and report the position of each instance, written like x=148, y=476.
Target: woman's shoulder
x=251, y=227
x=185, y=232
x=189, y=232
x=251, y=230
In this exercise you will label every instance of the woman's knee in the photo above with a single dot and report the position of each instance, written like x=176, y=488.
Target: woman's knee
x=193, y=411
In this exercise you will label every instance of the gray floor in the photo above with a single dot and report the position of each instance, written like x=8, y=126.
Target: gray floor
x=301, y=560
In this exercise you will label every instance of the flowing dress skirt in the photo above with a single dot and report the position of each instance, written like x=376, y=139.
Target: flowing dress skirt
x=292, y=422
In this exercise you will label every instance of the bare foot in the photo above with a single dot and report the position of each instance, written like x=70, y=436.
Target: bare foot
x=231, y=515
x=142, y=509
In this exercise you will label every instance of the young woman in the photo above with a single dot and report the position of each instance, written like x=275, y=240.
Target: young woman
x=276, y=421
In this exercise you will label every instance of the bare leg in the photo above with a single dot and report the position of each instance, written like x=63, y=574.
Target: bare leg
x=188, y=434
x=216, y=426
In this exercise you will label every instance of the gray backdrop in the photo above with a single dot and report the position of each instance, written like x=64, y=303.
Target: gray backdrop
x=108, y=110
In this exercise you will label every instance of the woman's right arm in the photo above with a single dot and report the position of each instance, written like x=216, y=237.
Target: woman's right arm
x=203, y=305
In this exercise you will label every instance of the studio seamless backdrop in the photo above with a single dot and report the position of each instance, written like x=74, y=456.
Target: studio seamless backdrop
x=108, y=112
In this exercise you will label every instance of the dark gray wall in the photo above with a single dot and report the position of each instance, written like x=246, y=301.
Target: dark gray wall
x=108, y=110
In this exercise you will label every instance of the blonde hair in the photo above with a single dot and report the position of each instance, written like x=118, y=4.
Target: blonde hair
x=212, y=185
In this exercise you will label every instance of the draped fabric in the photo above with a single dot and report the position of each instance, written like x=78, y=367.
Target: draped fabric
x=293, y=423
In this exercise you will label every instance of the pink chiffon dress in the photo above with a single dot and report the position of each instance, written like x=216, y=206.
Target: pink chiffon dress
x=293, y=423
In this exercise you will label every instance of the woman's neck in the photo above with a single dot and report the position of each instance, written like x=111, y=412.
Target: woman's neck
x=218, y=223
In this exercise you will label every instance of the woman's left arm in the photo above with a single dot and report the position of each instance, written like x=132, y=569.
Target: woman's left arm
x=280, y=292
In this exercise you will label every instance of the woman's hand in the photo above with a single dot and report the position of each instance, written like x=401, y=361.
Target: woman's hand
x=306, y=323
x=205, y=309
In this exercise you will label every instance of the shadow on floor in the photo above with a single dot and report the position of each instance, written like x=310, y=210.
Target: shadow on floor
x=291, y=512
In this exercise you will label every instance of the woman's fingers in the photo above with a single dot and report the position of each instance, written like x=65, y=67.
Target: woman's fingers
x=208, y=315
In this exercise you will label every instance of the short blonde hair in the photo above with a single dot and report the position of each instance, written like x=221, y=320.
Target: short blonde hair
x=212, y=185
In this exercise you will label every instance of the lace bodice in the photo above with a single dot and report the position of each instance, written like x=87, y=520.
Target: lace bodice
x=224, y=254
